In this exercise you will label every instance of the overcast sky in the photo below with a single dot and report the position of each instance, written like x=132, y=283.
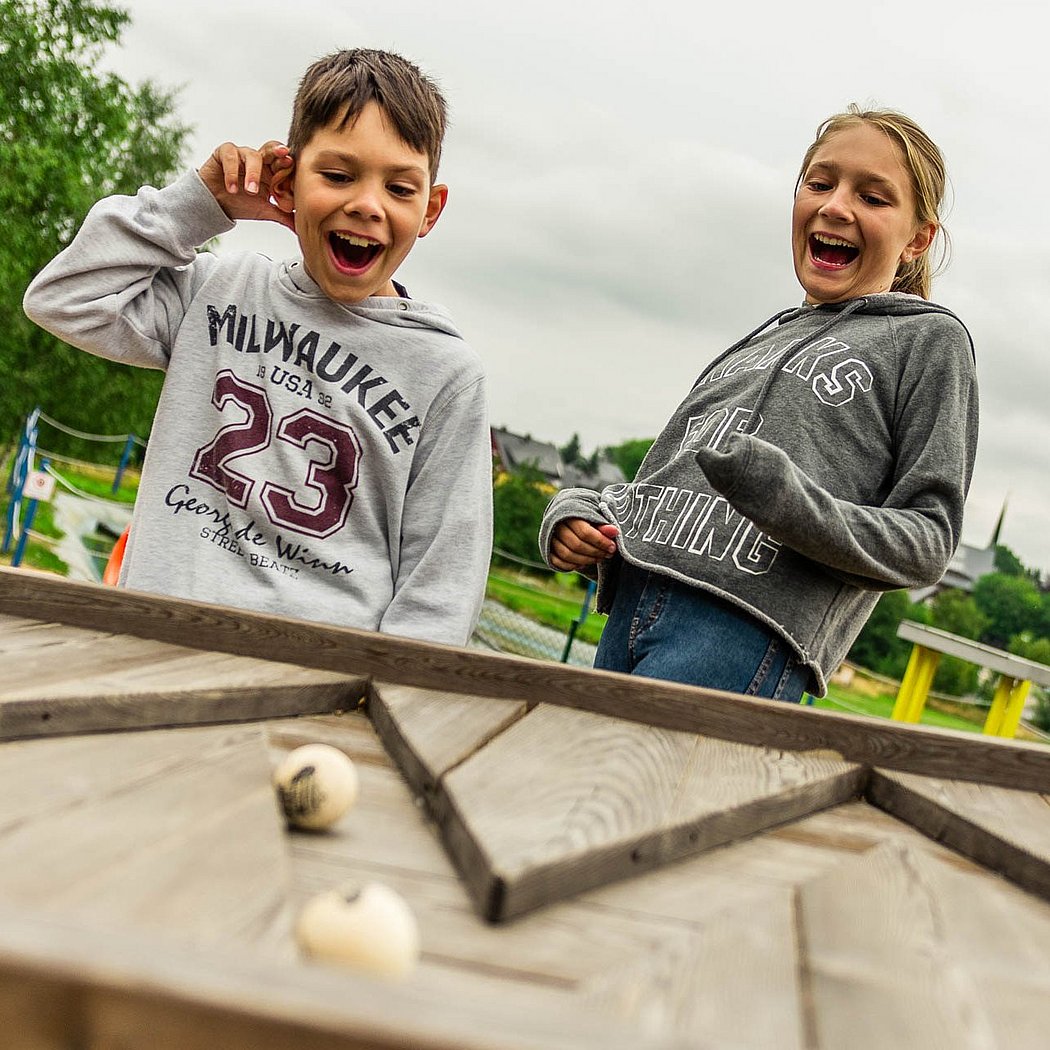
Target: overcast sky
x=621, y=178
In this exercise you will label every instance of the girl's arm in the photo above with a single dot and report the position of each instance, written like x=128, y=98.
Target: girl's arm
x=908, y=540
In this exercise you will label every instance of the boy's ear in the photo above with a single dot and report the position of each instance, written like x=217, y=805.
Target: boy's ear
x=435, y=206
x=282, y=189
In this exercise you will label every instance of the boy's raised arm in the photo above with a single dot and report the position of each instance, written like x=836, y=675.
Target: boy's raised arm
x=120, y=289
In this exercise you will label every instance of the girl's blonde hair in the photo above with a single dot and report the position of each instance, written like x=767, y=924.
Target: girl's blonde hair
x=929, y=180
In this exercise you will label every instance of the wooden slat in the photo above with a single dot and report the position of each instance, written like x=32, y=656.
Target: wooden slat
x=428, y=732
x=21, y=634
x=565, y=800
x=88, y=653
x=897, y=949
x=727, y=716
x=386, y=837
x=72, y=680
x=64, y=986
x=729, y=982
x=174, y=831
x=1007, y=831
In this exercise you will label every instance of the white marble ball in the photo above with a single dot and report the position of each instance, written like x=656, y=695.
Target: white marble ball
x=368, y=928
x=316, y=784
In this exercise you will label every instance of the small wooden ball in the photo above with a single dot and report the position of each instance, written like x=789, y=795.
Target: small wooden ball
x=316, y=784
x=369, y=928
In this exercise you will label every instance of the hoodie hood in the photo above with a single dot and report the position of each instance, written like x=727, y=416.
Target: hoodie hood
x=884, y=304
x=383, y=309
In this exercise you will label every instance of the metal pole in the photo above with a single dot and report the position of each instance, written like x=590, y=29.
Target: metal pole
x=585, y=609
x=16, y=558
x=124, y=457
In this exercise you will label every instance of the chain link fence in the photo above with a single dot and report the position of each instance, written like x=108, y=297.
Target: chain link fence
x=532, y=611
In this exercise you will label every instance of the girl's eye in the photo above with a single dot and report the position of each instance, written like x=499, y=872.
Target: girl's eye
x=817, y=186
x=870, y=198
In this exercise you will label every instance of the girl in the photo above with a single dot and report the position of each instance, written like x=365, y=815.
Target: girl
x=823, y=458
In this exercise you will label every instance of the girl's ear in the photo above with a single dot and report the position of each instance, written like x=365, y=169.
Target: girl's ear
x=282, y=190
x=920, y=242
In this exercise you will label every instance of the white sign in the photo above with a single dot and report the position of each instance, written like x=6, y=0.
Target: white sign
x=39, y=485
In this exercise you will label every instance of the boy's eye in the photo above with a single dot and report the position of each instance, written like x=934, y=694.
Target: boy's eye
x=817, y=185
x=337, y=177
x=399, y=190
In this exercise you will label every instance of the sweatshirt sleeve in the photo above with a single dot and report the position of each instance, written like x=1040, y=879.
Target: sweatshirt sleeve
x=121, y=287
x=909, y=539
x=446, y=543
x=569, y=503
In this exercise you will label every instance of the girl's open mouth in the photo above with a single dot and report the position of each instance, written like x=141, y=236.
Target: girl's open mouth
x=352, y=254
x=831, y=251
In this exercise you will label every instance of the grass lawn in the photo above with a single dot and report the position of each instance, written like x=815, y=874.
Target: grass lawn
x=840, y=699
x=546, y=606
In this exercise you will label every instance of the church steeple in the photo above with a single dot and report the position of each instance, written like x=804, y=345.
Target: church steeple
x=999, y=524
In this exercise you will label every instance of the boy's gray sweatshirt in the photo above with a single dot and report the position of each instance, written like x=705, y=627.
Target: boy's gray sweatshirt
x=810, y=467
x=308, y=458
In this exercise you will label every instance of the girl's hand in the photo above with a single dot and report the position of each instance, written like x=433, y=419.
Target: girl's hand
x=577, y=544
x=241, y=179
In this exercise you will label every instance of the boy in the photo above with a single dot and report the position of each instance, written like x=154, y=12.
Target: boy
x=320, y=447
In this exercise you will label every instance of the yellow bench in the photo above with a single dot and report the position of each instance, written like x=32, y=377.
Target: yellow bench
x=928, y=644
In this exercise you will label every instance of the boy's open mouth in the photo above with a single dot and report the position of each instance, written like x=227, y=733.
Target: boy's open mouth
x=352, y=254
x=832, y=251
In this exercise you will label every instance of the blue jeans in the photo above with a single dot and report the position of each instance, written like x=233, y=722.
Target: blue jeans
x=660, y=628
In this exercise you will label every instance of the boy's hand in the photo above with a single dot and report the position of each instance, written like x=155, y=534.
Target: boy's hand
x=241, y=179
x=577, y=544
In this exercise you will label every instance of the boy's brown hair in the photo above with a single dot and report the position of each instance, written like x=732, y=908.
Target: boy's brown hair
x=340, y=85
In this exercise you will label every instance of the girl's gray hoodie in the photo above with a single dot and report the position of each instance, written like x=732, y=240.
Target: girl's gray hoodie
x=811, y=466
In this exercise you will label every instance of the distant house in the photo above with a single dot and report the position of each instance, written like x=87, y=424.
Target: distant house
x=514, y=451
x=608, y=473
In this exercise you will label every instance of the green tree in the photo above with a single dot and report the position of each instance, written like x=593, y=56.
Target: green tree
x=955, y=611
x=1031, y=648
x=71, y=134
x=571, y=452
x=518, y=502
x=877, y=646
x=1012, y=605
x=628, y=455
x=1007, y=562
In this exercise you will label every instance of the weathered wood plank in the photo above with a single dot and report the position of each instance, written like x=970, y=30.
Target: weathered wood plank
x=1007, y=831
x=68, y=986
x=72, y=680
x=729, y=982
x=88, y=653
x=20, y=634
x=565, y=800
x=175, y=831
x=428, y=732
x=387, y=837
x=727, y=716
x=897, y=950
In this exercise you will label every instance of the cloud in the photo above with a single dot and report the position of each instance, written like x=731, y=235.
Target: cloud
x=621, y=180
